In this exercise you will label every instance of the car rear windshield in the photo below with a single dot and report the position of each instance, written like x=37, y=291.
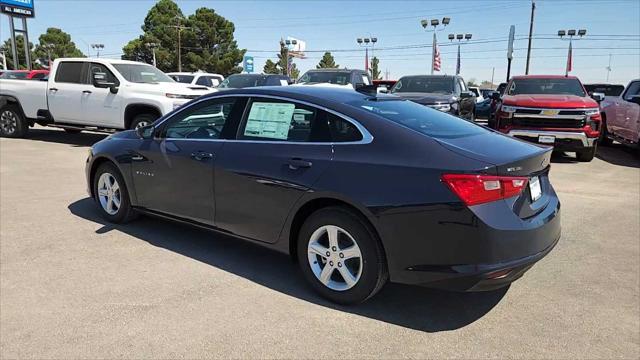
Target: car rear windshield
x=421, y=118
x=242, y=81
x=607, y=90
x=322, y=77
x=141, y=73
x=424, y=84
x=546, y=86
x=185, y=79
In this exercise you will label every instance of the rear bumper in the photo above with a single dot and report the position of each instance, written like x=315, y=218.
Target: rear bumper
x=564, y=139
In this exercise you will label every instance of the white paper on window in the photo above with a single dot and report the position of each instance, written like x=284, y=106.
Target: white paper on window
x=269, y=120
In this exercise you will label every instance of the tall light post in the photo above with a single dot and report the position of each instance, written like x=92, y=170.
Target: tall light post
x=97, y=47
x=4, y=58
x=434, y=23
x=152, y=47
x=285, y=45
x=459, y=37
x=570, y=33
x=367, y=42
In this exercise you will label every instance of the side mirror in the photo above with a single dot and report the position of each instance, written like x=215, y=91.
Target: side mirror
x=495, y=95
x=146, y=132
x=466, y=95
x=100, y=81
x=383, y=90
x=635, y=99
x=597, y=96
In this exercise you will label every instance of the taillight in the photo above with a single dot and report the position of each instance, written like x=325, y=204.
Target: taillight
x=480, y=189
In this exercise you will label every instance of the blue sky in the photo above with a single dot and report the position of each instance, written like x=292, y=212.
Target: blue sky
x=613, y=27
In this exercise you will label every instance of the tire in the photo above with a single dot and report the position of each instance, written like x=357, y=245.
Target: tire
x=12, y=122
x=355, y=237
x=124, y=213
x=472, y=117
x=604, y=133
x=72, y=131
x=142, y=120
x=587, y=154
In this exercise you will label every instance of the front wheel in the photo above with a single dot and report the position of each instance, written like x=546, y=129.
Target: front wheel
x=341, y=256
x=111, y=195
x=587, y=154
x=142, y=120
x=12, y=122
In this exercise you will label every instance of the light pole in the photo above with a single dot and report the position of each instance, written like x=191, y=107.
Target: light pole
x=434, y=23
x=367, y=42
x=285, y=45
x=153, y=47
x=570, y=33
x=459, y=37
x=4, y=58
x=48, y=47
x=97, y=47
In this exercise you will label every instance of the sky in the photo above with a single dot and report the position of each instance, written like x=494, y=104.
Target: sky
x=403, y=47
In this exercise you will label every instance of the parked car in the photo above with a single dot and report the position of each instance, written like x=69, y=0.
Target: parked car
x=358, y=191
x=24, y=74
x=606, y=89
x=447, y=93
x=94, y=94
x=241, y=81
x=348, y=78
x=476, y=91
x=495, y=96
x=197, y=78
x=384, y=86
x=621, y=116
x=483, y=109
x=486, y=93
x=552, y=110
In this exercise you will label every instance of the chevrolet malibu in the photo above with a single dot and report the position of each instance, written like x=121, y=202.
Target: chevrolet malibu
x=359, y=189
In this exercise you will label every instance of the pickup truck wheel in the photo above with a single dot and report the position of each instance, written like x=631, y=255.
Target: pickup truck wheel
x=142, y=120
x=12, y=123
x=586, y=155
x=604, y=134
x=111, y=195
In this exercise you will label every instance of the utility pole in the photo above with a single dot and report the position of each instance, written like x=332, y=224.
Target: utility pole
x=608, y=68
x=153, y=47
x=179, y=29
x=493, y=72
x=533, y=10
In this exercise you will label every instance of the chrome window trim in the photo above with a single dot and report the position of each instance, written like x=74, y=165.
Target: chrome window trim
x=367, y=138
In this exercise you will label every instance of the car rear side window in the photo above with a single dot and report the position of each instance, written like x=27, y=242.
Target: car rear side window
x=71, y=72
x=342, y=130
x=420, y=118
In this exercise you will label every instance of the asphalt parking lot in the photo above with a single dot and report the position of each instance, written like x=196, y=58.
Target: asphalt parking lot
x=73, y=286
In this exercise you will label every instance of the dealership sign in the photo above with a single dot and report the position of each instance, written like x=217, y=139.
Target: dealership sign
x=20, y=8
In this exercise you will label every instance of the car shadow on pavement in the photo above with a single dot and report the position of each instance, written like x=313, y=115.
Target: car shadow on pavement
x=408, y=306
x=83, y=139
x=618, y=154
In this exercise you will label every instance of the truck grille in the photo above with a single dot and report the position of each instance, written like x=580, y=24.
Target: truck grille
x=547, y=122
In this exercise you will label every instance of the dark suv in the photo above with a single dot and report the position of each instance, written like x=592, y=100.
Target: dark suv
x=240, y=81
x=446, y=93
x=350, y=78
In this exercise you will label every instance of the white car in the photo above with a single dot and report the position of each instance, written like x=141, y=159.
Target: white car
x=197, y=78
x=92, y=94
x=476, y=90
x=337, y=78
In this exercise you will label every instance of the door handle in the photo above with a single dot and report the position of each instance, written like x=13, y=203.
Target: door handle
x=201, y=155
x=86, y=92
x=295, y=164
x=53, y=89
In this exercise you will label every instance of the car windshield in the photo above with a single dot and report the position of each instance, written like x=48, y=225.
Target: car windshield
x=331, y=77
x=607, y=90
x=14, y=75
x=186, y=79
x=242, y=81
x=141, y=73
x=424, y=84
x=550, y=86
x=421, y=118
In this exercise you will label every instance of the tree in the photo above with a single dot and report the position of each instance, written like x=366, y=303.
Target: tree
x=270, y=67
x=57, y=43
x=207, y=41
x=374, y=69
x=327, y=62
x=280, y=67
x=472, y=82
x=22, y=61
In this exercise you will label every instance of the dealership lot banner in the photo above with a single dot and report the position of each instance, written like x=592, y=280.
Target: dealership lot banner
x=21, y=8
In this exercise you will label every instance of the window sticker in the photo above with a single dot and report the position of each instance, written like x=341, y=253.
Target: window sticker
x=284, y=82
x=365, y=79
x=269, y=120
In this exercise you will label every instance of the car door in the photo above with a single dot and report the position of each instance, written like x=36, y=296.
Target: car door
x=629, y=113
x=282, y=149
x=67, y=92
x=173, y=173
x=99, y=104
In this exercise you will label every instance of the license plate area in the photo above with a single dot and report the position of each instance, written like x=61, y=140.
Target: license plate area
x=534, y=188
x=546, y=139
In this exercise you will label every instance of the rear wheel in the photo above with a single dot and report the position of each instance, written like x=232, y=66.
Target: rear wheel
x=587, y=154
x=12, y=122
x=111, y=195
x=341, y=257
x=142, y=120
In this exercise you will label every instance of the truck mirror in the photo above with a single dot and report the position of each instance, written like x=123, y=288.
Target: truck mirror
x=597, y=96
x=635, y=99
x=145, y=132
x=100, y=81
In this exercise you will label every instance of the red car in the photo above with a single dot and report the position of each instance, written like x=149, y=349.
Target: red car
x=24, y=74
x=552, y=110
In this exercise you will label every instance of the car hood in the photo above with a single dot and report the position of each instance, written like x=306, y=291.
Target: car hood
x=550, y=101
x=426, y=98
x=172, y=88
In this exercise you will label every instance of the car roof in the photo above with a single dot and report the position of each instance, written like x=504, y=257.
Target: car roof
x=335, y=70
x=103, y=60
x=430, y=76
x=543, y=77
x=339, y=95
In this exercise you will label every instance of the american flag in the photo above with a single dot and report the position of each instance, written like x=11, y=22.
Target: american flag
x=436, y=58
x=569, y=60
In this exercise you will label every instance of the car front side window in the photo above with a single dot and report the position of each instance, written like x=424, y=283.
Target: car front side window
x=634, y=90
x=201, y=121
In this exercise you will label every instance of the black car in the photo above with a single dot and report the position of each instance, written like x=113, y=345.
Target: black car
x=241, y=81
x=359, y=188
x=352, y=78
x=442, y=92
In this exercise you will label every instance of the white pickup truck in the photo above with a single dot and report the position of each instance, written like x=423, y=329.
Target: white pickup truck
x=91, y=94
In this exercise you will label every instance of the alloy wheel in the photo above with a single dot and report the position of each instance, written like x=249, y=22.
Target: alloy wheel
x=335, y=258
x=109, y=193
x=8, y=122
x=141, y=124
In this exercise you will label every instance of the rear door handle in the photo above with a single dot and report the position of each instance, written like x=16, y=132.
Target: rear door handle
x=295, y=164
x=53, y=89
x=201, y=155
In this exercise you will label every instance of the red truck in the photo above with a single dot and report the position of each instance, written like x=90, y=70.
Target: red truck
x=552, y=110
x=621, y=116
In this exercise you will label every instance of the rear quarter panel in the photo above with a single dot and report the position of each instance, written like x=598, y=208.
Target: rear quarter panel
x=32, y=95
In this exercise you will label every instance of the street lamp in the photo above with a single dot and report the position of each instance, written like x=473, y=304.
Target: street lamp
x=459, y=37
x=98, y=47
x=49, y=47
x=153, y=47
x=434, y=23
x=367, y=42
x=570, y=33
x=285, y=44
